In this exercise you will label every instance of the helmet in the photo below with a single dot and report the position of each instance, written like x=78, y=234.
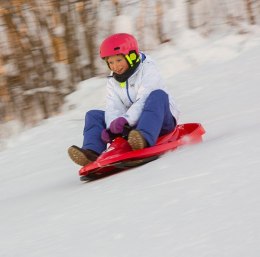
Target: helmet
x=121, y=43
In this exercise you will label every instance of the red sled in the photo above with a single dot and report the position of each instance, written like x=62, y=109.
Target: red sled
x=119, y=155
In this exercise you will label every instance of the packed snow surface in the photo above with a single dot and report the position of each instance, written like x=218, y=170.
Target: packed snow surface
x=198, y=201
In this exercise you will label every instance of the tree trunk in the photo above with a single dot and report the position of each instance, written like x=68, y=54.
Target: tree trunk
x=88, y=15
x=117, y=6
x=159, y=23
x=190, y=14
x=250, y=13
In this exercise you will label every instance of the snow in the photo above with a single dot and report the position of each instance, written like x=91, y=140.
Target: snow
x=199, y=201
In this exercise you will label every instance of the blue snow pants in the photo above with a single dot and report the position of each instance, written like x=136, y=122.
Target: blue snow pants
x=156, y=119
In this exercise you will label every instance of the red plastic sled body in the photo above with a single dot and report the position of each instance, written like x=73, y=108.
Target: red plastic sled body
x=120, y=151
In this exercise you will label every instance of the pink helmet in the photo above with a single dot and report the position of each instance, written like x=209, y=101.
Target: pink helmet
x=120, y=43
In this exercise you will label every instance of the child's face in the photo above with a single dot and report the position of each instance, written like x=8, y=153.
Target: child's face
x=117, y=63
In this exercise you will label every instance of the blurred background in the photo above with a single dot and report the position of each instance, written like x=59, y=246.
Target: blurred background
x=48, y=46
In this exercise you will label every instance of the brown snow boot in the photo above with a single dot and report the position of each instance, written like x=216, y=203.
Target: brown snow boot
x=136, y=140
x=81, y=156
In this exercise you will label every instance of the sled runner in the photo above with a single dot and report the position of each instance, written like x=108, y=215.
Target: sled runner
x=119, y=155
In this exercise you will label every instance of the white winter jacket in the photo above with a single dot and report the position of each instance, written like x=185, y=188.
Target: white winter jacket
x=128, y=100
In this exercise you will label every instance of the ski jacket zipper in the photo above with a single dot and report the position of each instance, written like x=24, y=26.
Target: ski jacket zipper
x=127, y=91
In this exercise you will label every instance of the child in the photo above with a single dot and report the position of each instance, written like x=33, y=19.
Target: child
x=137, y=101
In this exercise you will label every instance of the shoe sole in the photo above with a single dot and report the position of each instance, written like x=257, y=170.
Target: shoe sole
x=78, y=157
x=135, y=140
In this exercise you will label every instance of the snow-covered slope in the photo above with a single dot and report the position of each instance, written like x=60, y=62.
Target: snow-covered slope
x=199, y=201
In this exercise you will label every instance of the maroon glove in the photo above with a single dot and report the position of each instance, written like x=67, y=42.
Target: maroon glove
x=105, y=136
x=117, y=125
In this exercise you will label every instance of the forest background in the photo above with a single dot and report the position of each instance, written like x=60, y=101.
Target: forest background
x=48, y=46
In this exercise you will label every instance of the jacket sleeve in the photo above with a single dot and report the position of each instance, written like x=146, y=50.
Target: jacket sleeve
x=150, y=81
x=114, y=106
